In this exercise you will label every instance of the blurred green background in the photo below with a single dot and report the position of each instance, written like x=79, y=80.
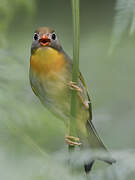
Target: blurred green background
x=32, y=142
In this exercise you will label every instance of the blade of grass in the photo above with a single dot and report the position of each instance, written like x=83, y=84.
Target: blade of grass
x=75, y=71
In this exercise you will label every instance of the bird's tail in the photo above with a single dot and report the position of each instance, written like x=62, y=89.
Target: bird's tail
x=96, y=143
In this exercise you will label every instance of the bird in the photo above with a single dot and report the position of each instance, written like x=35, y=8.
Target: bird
x=50, y=75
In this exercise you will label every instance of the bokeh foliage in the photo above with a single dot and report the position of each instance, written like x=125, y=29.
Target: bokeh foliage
x=124, y=21
x=8, y=11
x=31, y=139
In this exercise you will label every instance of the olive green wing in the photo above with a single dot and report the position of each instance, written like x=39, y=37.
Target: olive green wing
x=84, y=96
x=93, y=136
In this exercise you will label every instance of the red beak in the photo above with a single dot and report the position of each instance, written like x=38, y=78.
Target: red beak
x=44, y=40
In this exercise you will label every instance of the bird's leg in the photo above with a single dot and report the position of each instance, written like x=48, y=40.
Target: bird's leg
x=72, y=141
x=74, y=86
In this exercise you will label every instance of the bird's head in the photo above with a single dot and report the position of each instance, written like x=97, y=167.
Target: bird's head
x=45, y=37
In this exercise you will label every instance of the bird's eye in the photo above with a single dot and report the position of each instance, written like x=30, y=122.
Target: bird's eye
x=53, y=36
x=35, y=36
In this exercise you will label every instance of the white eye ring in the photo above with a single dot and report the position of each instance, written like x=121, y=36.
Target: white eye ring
x=36, y=36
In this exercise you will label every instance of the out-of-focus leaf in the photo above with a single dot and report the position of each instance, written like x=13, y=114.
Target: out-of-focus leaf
x=132, y=28
x=8, y=9
x=124, y=19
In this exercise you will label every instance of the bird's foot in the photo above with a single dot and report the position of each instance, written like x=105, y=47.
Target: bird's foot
x=74, y=86
x=72, y=141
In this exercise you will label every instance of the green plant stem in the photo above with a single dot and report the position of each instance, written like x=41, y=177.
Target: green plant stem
x=75, y=71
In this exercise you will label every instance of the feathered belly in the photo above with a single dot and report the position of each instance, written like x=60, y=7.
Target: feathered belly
x=53, y=93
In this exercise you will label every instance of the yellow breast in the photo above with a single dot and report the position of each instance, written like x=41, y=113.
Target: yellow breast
x=46, y=60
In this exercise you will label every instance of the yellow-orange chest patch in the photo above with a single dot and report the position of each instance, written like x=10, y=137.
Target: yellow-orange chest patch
x=47, y=60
